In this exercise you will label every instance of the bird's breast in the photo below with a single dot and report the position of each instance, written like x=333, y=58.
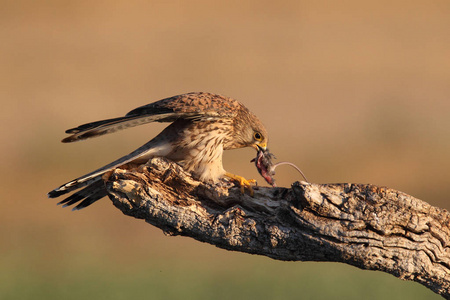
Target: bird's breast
x=199, y=150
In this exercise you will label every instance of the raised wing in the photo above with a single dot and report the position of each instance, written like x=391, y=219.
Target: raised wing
x=98, y=128
x=195, y=106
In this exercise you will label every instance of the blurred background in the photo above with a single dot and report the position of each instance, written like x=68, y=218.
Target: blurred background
x=350, y=91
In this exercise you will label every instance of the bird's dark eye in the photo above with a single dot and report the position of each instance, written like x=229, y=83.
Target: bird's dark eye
x=257, y=136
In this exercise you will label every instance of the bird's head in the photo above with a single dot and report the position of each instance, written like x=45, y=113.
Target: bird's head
x=249, y=132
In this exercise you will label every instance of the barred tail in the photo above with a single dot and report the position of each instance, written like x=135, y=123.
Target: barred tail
x=93, y=184
x=94, y=191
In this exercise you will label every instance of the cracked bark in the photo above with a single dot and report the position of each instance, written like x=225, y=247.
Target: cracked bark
x=367, y=226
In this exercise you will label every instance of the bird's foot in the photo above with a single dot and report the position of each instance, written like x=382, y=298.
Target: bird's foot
x=243, y=183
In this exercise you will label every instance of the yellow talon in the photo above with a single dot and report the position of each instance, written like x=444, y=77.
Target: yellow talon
x=244, y=183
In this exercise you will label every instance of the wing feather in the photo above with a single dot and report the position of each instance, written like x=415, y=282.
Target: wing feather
x=98, y=128
x=193, y=106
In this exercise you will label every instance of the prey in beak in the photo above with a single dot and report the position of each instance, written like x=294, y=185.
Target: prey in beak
x=263, y=163
x=265, y=167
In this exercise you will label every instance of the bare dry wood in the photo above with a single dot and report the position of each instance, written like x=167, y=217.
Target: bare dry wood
x=363, y=225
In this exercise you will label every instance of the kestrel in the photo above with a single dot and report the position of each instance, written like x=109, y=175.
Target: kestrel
x=202, y=126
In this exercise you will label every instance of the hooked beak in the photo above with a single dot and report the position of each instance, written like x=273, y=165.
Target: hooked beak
x=262, y=148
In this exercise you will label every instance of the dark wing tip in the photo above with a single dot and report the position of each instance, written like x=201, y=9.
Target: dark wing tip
x=72, y=130
x=55, y=193
x=69, y=139
x=85, y=135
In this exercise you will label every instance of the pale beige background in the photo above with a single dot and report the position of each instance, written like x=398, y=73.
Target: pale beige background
x=350, y=91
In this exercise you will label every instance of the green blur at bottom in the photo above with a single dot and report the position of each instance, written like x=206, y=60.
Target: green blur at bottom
x=261, y=278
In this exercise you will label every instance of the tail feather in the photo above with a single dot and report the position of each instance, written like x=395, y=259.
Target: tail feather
x=87, y=196
x=92, y=183
x=97, y=195
x=71, y=186
x=71, y=199
x=85, y=180
x=75, y=197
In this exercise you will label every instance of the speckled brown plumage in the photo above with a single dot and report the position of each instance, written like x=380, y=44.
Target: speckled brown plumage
x=202, y=126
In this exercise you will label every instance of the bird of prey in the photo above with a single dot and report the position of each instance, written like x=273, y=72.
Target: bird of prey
x=202, y=126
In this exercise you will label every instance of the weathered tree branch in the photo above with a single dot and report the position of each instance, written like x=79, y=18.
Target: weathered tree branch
x=365, y=226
